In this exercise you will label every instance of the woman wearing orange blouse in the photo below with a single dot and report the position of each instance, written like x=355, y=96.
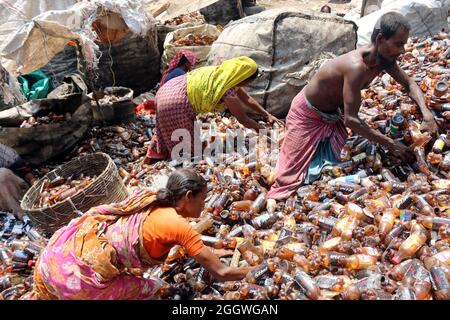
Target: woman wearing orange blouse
x=104, y=253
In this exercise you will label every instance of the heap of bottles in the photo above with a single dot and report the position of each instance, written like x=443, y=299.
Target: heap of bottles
x=59, y=189
x=51, y=118
x=370, y=228
x=20, y=246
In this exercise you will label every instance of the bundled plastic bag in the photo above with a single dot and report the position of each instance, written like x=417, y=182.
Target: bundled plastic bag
x=35, y=85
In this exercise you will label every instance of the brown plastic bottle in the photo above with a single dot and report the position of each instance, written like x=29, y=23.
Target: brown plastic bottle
x=307, y=285
x=351, y=293
x=330, y=245
x=249, y=291
x=259, y=204
x=422, y=289
x=221, y=202
x=250, y=253
x=345, y=227
x=358, y=195
x=423, y=205
x=258, y=273
x=218, y=243
x=386, y=223
x=354, y=210
x=334, y=259
x=204, y=224
x=396, y=231
x=421, y=160
x=409, y=247
x=389, y=176
x=302, y=262
x=243, y=205
x=360, y=261
x=433, y=223
x=405, y=293
x=330, y=282
x=398, y=272
x=439, y=259
x=266, y=220
x=251, y=194
x=404, y=203
x=371, y=251
x=393, y=187
x=440, y=283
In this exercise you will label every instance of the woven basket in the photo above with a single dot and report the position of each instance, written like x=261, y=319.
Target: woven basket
x=106, y=188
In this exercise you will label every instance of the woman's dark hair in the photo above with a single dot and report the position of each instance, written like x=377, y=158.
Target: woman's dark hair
x=325, y=9
x=389, y=24
x=254, y=76
x=180, y=182
x=183, y=61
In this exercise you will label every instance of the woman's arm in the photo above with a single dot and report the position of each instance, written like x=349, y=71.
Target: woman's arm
x=254, y=105
x=217, y=269
x=234, y=105
x=251, y=103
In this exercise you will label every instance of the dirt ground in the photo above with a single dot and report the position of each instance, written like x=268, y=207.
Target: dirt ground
x=337, y=6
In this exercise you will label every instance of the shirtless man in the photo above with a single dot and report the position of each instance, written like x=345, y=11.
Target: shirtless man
x=313, y=123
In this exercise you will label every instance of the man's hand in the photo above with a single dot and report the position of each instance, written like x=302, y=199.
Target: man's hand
x=401, y=151
x=429, y=125
x=272, y=119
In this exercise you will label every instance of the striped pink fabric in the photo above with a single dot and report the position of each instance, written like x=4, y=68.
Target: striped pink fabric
x=304, y=131
x=173, y=111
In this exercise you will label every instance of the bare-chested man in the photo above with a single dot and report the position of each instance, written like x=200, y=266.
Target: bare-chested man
x=315, y=129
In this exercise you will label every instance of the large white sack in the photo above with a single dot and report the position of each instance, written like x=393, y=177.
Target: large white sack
x=426, y=17
x=289, y=46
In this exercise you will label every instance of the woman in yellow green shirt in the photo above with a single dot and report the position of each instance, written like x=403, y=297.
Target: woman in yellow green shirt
x=207, y=89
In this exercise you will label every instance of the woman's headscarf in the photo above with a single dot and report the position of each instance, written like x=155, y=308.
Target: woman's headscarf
x=190, y=56
x=206, y=86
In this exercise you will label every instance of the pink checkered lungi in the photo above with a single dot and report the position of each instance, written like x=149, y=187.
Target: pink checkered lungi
x=305, y=129
x=173, y=111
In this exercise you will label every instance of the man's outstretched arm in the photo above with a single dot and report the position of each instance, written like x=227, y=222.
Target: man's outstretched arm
x=416, y=94
x=352, y=102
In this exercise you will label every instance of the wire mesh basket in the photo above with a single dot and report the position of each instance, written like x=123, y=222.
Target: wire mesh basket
x=106, y=188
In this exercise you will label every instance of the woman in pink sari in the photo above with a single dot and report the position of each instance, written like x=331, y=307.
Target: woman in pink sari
x=104, y=253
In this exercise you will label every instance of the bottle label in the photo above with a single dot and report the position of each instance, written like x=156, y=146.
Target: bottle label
x=346, y=189
x=405, y=203
x=398, y=187
x=346, y=164
x=394, y=129
x=337, y=259
x=303, y=280
x=439, y=144
x=261, y=220
x=359, y=158
x=437, y=222
x=438, y=279
x=260, y=271
x=327, y=282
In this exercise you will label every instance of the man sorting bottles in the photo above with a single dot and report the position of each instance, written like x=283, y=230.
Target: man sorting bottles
x=317, y=120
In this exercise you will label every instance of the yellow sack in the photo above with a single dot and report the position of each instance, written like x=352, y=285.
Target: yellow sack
x=206, y=86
